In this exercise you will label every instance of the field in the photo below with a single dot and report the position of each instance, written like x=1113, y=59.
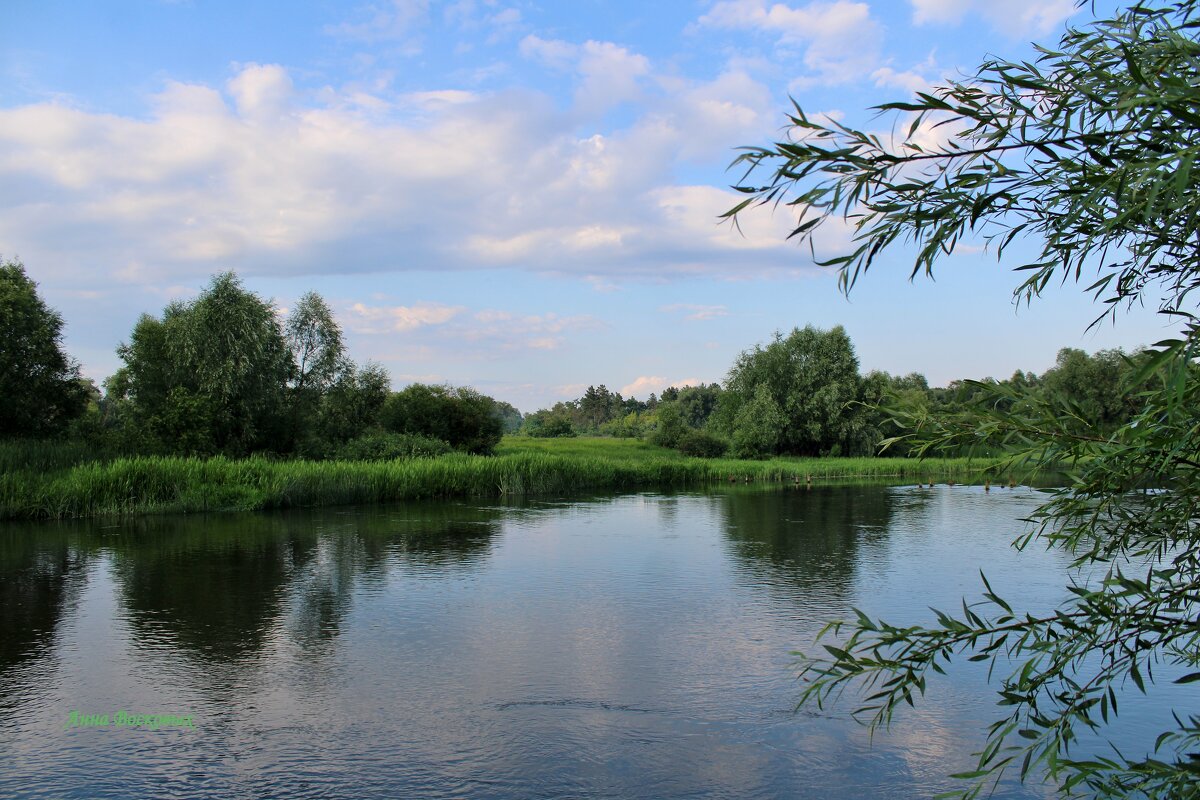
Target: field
x=67, y=484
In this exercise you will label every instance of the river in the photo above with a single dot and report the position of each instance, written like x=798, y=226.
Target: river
x=633, y=646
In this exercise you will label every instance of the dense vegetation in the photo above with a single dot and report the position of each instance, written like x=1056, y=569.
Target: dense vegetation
x=68, y=483
x=802, y=394
x=40, y=385
x=1089, y=153
x=222, y=375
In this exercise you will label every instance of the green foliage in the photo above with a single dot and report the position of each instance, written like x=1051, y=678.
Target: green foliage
x=757, y=425
x=809, y=385
x=463, y=417
x=669, y=426
x=551, y=424
x=697, y=404
x=701, y=444
x=1089, y=151
x=315, y=341
x=390, y=446
x=351, y=405
x=211, y=375
x=1094, y=385
x=39, y=383
x=526, y=467
x=510, y=418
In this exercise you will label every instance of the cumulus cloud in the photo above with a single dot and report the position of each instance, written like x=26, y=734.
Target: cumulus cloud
x=839, y=38
x=644, y=385
x=610, y=74
x=1015, y=18
x=263, y=177
x=387, y=319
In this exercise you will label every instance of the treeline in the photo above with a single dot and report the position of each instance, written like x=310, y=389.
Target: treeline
x=803, y=395
x=224, y=375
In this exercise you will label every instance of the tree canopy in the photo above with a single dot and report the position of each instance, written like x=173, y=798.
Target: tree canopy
x=39, y=383
x=210, y=375
x=1089, y=152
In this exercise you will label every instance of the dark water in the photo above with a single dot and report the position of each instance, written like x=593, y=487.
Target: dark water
x=635, y=646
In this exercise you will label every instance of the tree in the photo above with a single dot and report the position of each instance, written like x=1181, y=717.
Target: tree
x=811, y=376
x=462, y=417
x=1089, y=152
x=211, y=375
x=351, y=406
x=758, y=425
x=315, y=340
x=40, y=384
x=669, y=426
x=1093, y=385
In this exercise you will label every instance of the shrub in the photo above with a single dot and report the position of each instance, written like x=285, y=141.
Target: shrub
x=390, y=446
x=702, y=445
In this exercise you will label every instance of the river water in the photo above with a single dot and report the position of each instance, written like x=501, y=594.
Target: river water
x=633, y=646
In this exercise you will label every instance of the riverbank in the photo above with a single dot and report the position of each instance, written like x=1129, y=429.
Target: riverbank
x=522, y=467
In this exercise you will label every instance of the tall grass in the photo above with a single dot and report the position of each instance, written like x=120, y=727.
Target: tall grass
x=191, y=485
x=42, y=455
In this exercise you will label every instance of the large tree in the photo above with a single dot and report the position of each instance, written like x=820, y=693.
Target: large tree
x=1089, y=153
x=811, y=377
x=211, y=375
x=40, y=387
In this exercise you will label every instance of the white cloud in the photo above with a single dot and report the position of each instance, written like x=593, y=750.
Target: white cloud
x=840, y=38
x=389, y=319
x=266, y=178
x=1014, y=18
x=610, y=74
x=645, y=385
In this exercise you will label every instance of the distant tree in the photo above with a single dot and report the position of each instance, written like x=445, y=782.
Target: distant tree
x=669, y=425
x=350, y=407
x=40, y=385
x=510, y=417
x=758, y=425
x=812, y=377
x=1093, y=384
x=462, y=417
x=211, y=375
x=697, y=403
x=315, y=341
x=549, y=423
x=595, y=406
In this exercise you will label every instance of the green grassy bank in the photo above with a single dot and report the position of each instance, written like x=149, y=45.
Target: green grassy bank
x=522, y=467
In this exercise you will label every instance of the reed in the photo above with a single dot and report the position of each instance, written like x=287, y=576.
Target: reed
x=190, y=485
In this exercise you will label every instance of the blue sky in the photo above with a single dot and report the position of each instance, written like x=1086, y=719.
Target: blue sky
x=516, y=196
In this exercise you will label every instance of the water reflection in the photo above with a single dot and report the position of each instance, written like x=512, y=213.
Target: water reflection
x=807, y=542
x=635, y=646
x=41, y=571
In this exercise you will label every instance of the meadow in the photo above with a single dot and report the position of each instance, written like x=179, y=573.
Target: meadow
x=64, y=481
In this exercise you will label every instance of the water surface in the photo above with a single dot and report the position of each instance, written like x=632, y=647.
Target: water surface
x=633, y=646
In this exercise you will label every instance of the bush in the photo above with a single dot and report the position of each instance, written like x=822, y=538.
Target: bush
x=549, y=425
x=702, y=445
x=390, y=447
x=463, y=417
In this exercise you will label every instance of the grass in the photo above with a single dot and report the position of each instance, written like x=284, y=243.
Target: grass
x=522, y=467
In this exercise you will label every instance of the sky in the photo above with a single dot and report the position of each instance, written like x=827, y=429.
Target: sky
x=522, y=197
